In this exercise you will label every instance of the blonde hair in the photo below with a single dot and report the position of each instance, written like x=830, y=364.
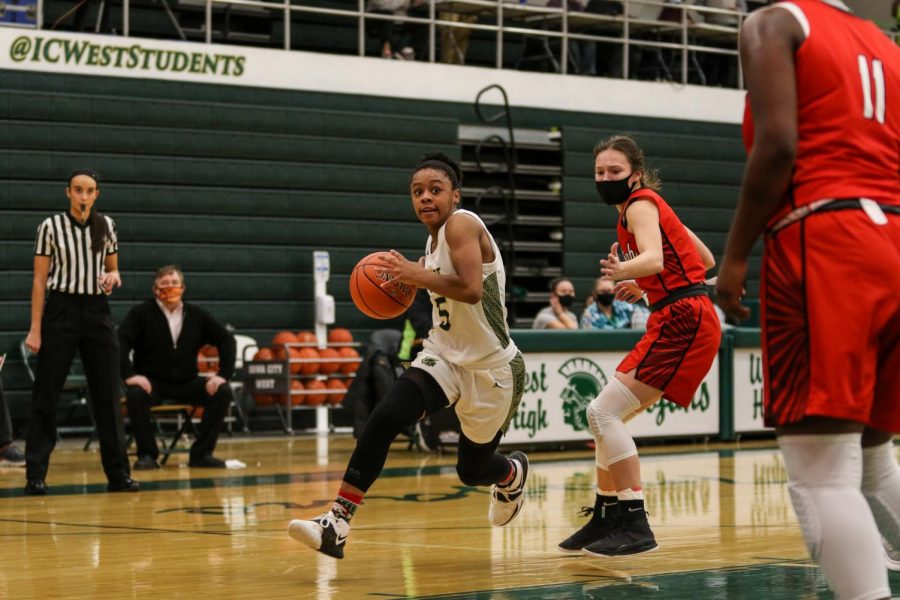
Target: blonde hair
x=626, y=145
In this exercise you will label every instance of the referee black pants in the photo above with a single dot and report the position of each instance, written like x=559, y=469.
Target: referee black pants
x=76, y=322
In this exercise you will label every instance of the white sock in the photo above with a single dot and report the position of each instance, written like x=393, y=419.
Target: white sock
x=881, y=488
x=825, y=474
x=630, y=494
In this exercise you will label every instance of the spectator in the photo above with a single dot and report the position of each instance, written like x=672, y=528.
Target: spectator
x=392, y=34
x=455, y=40
x=558, y=315
x=165, y=335
x=605, y=312
x=582, y=53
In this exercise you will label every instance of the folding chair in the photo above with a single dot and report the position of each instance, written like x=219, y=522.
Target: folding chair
x=76, y=385
x=183, y=414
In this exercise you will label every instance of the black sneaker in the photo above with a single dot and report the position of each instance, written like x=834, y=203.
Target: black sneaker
x=603, y=521
x=36, y=487
x=207, y=462
x=327, y=533
x=11, y=457
x=123, y=485
x=145, y=462
x=632, y=535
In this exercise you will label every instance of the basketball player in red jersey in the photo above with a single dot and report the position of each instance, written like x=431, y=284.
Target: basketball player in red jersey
x=823, y=182
x=668, y=263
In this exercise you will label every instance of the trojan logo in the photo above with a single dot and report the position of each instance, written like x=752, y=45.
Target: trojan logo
x=585, y=380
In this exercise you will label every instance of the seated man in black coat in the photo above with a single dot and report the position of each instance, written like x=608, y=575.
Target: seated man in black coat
x=166, y=334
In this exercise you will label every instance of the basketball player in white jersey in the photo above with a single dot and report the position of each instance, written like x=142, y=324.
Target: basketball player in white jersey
x=468, y=361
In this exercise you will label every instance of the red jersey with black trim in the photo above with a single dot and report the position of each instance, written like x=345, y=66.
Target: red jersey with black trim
x=848, y=109
x=682, y=265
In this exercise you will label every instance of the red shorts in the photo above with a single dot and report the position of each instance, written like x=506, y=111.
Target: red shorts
x=680, y=345
x=831, y=320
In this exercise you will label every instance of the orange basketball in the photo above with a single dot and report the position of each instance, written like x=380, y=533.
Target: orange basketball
x=208, y=359
x=372, y=299
x=309, y=368
x=335, y=384
x=262, y=399
x=284, y=337
x=297, y=399
x=339, y=335
x=349, y=367
x=315, y=399
x=306, y=337
x=327, y=368
x=263, y=354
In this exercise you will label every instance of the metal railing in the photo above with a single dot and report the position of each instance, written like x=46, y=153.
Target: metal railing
x=675, y=34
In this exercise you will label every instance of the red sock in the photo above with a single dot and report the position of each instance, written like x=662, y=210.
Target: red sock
x=345, y=504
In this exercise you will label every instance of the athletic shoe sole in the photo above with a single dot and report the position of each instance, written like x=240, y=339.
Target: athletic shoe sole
x=629, y=552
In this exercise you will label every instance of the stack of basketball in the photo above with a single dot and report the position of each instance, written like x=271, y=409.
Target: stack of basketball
x=312, y=370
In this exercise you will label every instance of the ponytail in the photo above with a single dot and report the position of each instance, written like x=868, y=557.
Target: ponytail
x=99, y=231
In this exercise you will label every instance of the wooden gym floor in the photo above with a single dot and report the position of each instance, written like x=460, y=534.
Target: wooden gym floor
x=722, y=516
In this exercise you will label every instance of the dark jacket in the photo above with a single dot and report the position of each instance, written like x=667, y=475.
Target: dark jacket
x=146, y=331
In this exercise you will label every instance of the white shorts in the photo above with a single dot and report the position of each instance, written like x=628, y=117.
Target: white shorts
x=486, y=400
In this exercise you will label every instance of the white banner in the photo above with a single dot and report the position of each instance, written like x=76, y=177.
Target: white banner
x=560, y=385
x=113, y=56
x=748, y=391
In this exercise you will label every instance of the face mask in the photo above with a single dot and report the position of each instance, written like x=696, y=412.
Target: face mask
x=614, y=192
x=566, y=301
x=605, y=299
x=170, y=294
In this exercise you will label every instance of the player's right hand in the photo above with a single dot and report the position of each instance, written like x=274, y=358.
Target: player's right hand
x=628, y=291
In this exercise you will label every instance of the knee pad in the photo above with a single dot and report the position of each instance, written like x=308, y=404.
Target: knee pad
x=881, y=489
x=606, y=415
x=825, y=473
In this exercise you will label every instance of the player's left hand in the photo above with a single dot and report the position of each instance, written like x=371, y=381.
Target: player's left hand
x=611, y=268
x=109, y=280
x=213, y=384
x=730, y=288
x=402, y=270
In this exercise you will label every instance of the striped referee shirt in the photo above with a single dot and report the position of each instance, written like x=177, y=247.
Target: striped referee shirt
x=74, y=267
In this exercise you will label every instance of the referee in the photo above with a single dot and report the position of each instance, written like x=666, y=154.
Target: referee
x=76, y=261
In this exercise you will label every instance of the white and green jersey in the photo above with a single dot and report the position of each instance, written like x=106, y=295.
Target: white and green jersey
x=474, y=336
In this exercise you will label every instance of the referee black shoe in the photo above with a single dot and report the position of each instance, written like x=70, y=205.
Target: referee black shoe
x=126, y=484
x=36, y=487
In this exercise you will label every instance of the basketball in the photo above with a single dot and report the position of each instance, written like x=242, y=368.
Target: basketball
x=315, y=399
x=327, y=368
x=372, y=299
x=335, y=384
x=339, y=335
x=349, y=367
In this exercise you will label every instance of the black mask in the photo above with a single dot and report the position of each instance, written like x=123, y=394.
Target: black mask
x=566, y=301
x=614, y=192
x=605, y=299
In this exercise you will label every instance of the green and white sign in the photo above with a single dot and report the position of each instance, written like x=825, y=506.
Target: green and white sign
x=748, y=390
x=559, y=386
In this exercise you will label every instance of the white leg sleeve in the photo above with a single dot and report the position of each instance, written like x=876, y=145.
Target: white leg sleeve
x=600, y=456
x=825, y=473
x=605, y=416
x=881, y=488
